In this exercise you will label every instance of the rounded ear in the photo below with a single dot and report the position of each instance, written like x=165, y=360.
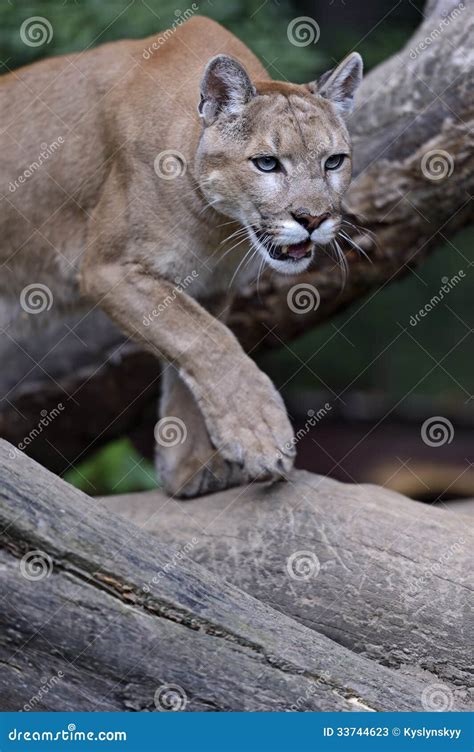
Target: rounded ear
x=340, y=84
x=225, y=87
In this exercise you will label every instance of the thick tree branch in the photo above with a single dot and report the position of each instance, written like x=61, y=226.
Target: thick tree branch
x=381, y=574
x=117, y=616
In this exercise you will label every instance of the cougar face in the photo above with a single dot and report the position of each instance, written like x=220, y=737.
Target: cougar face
x=276, y=157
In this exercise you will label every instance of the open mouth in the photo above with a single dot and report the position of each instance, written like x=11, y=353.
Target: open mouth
x=294, y=252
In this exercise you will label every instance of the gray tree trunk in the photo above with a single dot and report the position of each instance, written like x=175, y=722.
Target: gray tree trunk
x=99, y=615
x=387, y=577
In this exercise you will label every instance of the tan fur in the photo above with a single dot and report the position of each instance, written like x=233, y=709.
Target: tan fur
x=99, y=227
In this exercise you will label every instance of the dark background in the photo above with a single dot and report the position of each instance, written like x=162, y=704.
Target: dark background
x=381, y=383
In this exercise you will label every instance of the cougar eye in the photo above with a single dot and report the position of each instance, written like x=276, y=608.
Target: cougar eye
x=334, y=161
x=266, y=164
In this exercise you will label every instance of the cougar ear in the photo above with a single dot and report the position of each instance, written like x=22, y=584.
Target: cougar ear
x=340, y=84
x=225, y=87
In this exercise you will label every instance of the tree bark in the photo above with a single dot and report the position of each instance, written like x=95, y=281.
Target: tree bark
x=413, y=181
x=387, y=577
x=98, y=615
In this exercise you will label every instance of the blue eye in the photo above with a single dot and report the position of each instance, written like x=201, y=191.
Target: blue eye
x=334, y=161
x=266, y=164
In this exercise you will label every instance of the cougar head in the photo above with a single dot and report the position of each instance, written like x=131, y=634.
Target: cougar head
x=276, y=157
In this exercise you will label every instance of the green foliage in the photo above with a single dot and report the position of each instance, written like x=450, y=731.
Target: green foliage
x=79, y=25
x=115, y=469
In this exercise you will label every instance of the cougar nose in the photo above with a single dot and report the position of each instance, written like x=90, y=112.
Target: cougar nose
x=310, y=221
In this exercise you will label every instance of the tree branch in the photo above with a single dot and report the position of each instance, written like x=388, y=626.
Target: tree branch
x=117, y=617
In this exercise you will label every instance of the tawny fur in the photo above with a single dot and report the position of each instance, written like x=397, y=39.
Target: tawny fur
x=98, y=226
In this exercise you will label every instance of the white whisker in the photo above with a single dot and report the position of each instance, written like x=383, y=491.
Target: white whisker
x=361, y=230
x=224, y=224
x=259, y=274
x=231, y=249
x=355, y=245
x=343, y=265
x=237, y=232
x=239, y=266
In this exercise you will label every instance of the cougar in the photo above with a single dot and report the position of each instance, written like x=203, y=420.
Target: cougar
x=175, y=167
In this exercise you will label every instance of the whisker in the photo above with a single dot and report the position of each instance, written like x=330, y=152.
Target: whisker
x=229, y=250
x=272, y=247
x=237, y=232
x=256, y=252
x=251, y=258
x=224, y=224
x=209, y=205
x=238, y=268
x=355, y=245
x=259, y=274
x=343, y=265
x=362, y=230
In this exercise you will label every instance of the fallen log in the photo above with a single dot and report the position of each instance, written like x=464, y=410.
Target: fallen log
x=98, y=615
x=387, y=577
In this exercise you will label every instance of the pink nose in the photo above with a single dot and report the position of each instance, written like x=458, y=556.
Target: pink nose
x=311, y=221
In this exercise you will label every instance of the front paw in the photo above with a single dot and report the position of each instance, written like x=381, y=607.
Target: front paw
x=251, y=429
